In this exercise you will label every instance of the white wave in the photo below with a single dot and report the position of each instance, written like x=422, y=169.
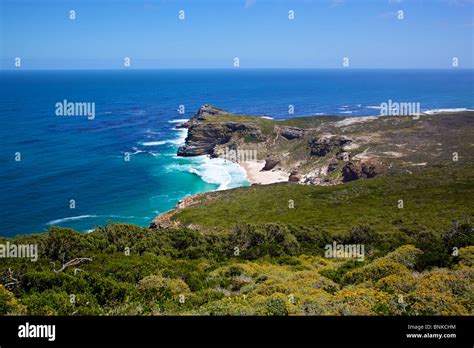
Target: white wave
x=345, y=112
x=267, y=117
x=373, y=107
x=438, y=111
x=71, y=218
x=81, y=217
x=154, y=143
x=178, y=121
x=182, y=134
x=149, y=131
x=216, y=171
x=136, y=151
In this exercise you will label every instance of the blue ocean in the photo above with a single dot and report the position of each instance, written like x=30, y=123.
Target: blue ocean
x=47, y=161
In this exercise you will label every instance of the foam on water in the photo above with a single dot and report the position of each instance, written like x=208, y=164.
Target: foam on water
x=216, y=171
x=81, y=217
x=179, y=121
x=438, y=111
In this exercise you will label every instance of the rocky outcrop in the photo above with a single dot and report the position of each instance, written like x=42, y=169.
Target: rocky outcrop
x=184, y=125
x=320, y=147
x=291, y=133
x=359, y=170
x=343, y=156
x=270, y=163
x=203, y=137
x=165, y=220
x=294, y=177
x=206, y=111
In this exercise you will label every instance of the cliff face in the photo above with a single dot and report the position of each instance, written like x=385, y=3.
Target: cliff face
x=206, y=131
x=331, y=150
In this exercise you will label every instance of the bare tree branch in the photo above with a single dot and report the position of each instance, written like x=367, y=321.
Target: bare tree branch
x=73, y=262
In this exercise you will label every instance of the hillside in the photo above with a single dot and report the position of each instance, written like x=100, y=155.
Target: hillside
x=245, y=252
x=431, y=198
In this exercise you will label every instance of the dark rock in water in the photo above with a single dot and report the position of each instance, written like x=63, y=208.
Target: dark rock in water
x=270, y=163
x=197, y=149
x=321, y=147
x=183, y=125
x=294, y=177
x=354, y=171
x=291, y=132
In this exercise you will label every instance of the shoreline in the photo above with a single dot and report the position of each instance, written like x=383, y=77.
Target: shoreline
x=253, y=169
x=255, y=175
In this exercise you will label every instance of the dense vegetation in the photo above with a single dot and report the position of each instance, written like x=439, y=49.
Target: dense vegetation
x=431, y=199
x=418, y=260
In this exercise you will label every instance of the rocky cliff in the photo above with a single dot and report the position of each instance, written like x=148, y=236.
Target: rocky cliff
x=208, y=128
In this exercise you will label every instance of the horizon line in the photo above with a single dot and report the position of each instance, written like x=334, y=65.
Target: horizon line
x=229, y=69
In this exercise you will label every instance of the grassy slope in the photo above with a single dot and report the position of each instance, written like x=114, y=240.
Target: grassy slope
x=432, y=198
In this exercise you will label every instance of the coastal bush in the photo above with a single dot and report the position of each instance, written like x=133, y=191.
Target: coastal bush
x=460, y=234
x=398, y=262
x=274, y=306
x=360, y=301
x=363, y=234
x=406, y=255
x=52, y=302
x=254, y=241
x=270, y=276
x=466, y=256
x=9, y=305
x=311, y=239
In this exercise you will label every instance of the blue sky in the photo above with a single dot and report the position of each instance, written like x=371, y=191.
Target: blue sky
x=257, y=31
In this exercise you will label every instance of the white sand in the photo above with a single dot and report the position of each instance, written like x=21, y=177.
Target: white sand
x=351, y=120
x=255, y=176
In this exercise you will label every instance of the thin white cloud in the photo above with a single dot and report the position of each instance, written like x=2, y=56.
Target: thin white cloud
x=249, y=3
x=459, y=3
x=335, y=3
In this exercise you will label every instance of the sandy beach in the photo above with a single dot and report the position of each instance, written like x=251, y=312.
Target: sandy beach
x=256, y=176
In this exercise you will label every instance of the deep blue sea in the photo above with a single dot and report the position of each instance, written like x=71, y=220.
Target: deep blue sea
x=64, y=158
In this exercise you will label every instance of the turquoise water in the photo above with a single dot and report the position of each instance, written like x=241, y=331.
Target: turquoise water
x=64, y=158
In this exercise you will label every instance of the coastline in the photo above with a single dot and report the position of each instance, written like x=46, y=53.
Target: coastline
x=253, y=169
